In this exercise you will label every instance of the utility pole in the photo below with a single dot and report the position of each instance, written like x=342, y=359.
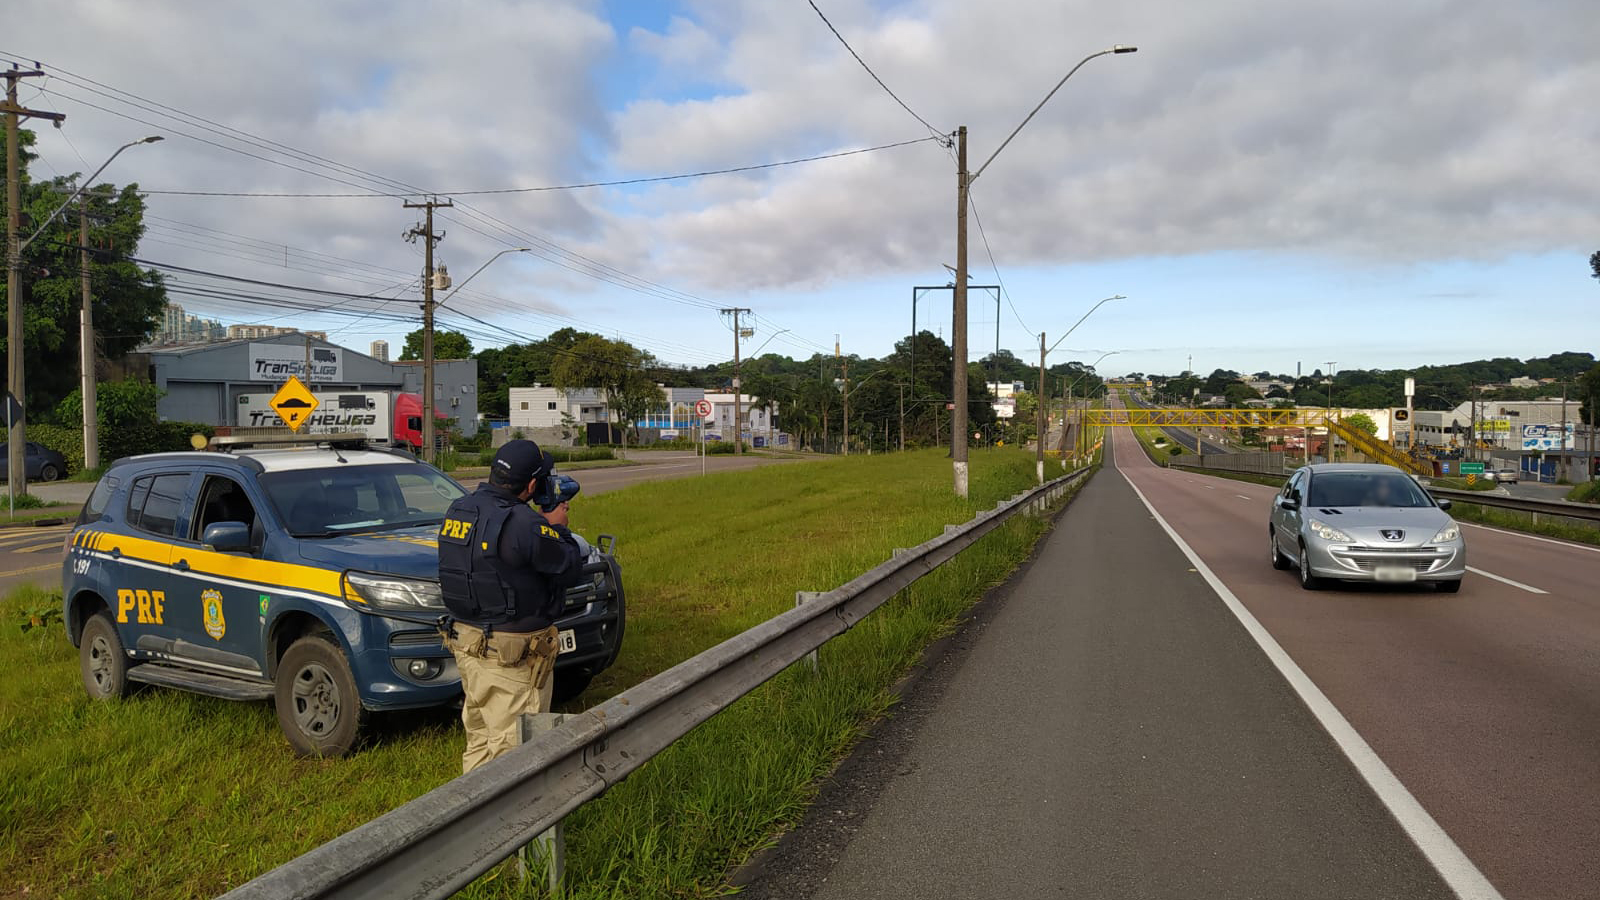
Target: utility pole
x=902, y=418
x=958, y=336
x=738, y=406
x=1562, y=459
x=15, y=376
x=86, y=348
x=1331, y=457
x=429, y=239
x=846, y=435
x=1043, y=420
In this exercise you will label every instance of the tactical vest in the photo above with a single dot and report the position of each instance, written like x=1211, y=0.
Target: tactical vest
x=478, y=588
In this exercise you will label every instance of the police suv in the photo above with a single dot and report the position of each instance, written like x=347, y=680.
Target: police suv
x=304, y=572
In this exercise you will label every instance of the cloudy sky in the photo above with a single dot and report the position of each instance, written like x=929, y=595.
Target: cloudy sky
x=1377, y=184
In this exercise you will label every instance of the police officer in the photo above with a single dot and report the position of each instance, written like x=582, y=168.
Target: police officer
x=504, y=568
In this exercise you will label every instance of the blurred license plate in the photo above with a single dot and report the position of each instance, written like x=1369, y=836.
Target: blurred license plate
x=568, y=641
x=1386, y=573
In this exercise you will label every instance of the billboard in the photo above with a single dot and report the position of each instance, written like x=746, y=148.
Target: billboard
x=276, y=362
x=1548, y=437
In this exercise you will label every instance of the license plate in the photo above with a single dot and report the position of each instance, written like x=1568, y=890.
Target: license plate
x=567, y=640
x=1394, y=573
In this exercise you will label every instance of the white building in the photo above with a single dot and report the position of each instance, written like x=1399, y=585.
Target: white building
x=1499, y=422
x=755, y=421
x=380, y=350
x=546, y=407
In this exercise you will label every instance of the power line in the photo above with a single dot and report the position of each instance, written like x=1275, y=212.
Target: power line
x=934, y=131
x=681, y=176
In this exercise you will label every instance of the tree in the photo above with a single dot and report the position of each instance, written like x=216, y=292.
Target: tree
x=1361, y=422
x=1238, y=392
x=127, y=300
x=446, y=345
x=618, y=369
x=1594, y=263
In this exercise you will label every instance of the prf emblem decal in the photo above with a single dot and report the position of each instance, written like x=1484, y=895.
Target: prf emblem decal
x=211, y=603
x=265, y=599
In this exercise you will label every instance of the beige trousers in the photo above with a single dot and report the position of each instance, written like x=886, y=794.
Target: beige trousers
x=503, y=676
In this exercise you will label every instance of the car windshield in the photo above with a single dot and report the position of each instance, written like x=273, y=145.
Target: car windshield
x=344, y=499
x=1330, y=489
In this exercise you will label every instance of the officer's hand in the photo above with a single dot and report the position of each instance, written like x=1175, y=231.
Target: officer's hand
x=557, y=516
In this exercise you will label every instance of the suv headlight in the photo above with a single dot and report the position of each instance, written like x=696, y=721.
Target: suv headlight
x=1328, y=532
x=1447, y=534
x=391, y=592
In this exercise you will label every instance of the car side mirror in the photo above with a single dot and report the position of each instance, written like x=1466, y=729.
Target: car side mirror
x=1290, y=502
x=1445, y=504
x=226, y=537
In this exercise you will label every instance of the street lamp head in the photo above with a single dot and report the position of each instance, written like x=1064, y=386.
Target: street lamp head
x=1124, y=48
x=152, y=139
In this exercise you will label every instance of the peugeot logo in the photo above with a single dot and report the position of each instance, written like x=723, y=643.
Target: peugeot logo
x=1393, y=534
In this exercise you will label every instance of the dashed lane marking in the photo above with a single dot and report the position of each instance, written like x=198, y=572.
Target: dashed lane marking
x=1504, y=580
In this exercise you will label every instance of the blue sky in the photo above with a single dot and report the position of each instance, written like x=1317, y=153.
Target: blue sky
x=1265, y=188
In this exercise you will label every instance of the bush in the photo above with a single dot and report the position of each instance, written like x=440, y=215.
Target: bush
x=1175, y=450
x=1588, y=492
x=560, y=454
x=148, y=437
x=66, y=441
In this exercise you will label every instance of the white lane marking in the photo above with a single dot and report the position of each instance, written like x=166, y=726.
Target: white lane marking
x=1533, y=537
x=1504, y=580
x=1453, y=866
x=1208, y=487
x=1243, y=497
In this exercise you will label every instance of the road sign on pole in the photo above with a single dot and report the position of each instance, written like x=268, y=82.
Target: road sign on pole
x=702, y=407
x=294, y=403
x=1472, y=468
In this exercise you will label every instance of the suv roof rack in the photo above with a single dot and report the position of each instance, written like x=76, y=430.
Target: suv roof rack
x=350, y=440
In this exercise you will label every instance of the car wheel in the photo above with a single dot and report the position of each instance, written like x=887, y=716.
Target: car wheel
x=1308, y=581
x=1279, y=561
x=318, y=706
x=1449, y=587
x=49, y=472
x=102, y=660
x=569, y=685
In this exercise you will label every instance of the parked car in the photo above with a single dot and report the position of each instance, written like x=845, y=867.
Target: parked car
x=40, y=464
x=307, y=575
x=1364, y=522
x=1507, y=476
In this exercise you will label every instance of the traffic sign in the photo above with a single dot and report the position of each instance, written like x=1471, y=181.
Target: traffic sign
x=1472, y=478
x=294, y=403
x=14, y=414
x=702, y=408
x=1472, y=468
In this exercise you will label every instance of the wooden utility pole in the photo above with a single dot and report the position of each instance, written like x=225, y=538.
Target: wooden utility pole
x=738, y=403
x=86, y=346
x=429, y=239
x=902, y=418
x=15, y=376
x=846, y=434
x=1040, y=417
x=958, y=335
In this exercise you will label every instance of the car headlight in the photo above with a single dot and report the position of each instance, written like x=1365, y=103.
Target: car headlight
x=1447, y=534
x=390, y=592
x=1328, y=532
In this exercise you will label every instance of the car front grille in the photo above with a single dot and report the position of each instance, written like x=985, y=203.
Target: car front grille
x=1367, y=559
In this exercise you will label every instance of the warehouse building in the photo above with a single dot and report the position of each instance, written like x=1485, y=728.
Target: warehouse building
x=203, y=383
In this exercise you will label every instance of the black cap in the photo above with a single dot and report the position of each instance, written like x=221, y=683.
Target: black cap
x=518, y=462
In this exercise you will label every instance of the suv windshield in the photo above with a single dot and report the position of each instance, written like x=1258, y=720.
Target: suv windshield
x=343, y=499
x=1366, y=489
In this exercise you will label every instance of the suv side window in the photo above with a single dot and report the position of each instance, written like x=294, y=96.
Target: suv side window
x=154, y=503
x=224, y=500
x=96, y=506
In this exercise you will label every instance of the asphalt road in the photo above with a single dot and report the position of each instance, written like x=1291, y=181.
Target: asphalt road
x=1110, y=731
x=32, y=555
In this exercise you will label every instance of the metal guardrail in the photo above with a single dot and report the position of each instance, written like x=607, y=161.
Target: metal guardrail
x=1588, y=512
x=438, y=843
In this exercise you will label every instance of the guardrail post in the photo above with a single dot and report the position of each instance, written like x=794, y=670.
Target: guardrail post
x=803, y=597
x=548, y=852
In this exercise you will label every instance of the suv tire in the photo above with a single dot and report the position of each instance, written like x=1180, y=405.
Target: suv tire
x=102, y=659
x=319, y=708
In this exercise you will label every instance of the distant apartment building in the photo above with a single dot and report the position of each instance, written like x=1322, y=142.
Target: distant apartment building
x=380, y=350
x=178, y=327
x=257, y=332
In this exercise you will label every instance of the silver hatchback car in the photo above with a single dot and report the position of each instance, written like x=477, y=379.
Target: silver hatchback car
x=1364, y=522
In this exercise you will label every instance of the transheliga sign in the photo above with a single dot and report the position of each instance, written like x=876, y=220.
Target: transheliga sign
x=276, y=362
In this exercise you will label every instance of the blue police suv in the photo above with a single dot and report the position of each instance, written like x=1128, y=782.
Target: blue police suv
x=304, y=573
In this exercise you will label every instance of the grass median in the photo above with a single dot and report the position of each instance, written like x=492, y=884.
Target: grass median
x=173, y=795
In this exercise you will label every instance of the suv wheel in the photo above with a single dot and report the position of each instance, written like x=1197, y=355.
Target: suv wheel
x=318, y=706
x=102, y=659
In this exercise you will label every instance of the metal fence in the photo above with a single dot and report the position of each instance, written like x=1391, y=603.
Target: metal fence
x=1255, y=463
x=438, y=843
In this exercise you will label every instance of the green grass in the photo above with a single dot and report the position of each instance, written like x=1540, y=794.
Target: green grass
x=1480, y=483
x=1273, y=481
x=174, y=795
x=1588, y=492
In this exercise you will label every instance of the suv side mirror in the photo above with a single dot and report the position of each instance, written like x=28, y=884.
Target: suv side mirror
x=1444, y=503
x=226, y=537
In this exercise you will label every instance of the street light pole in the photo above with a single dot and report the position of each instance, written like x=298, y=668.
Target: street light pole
x=958, y=433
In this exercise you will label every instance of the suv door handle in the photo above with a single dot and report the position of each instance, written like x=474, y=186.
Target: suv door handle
x=181, y=565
